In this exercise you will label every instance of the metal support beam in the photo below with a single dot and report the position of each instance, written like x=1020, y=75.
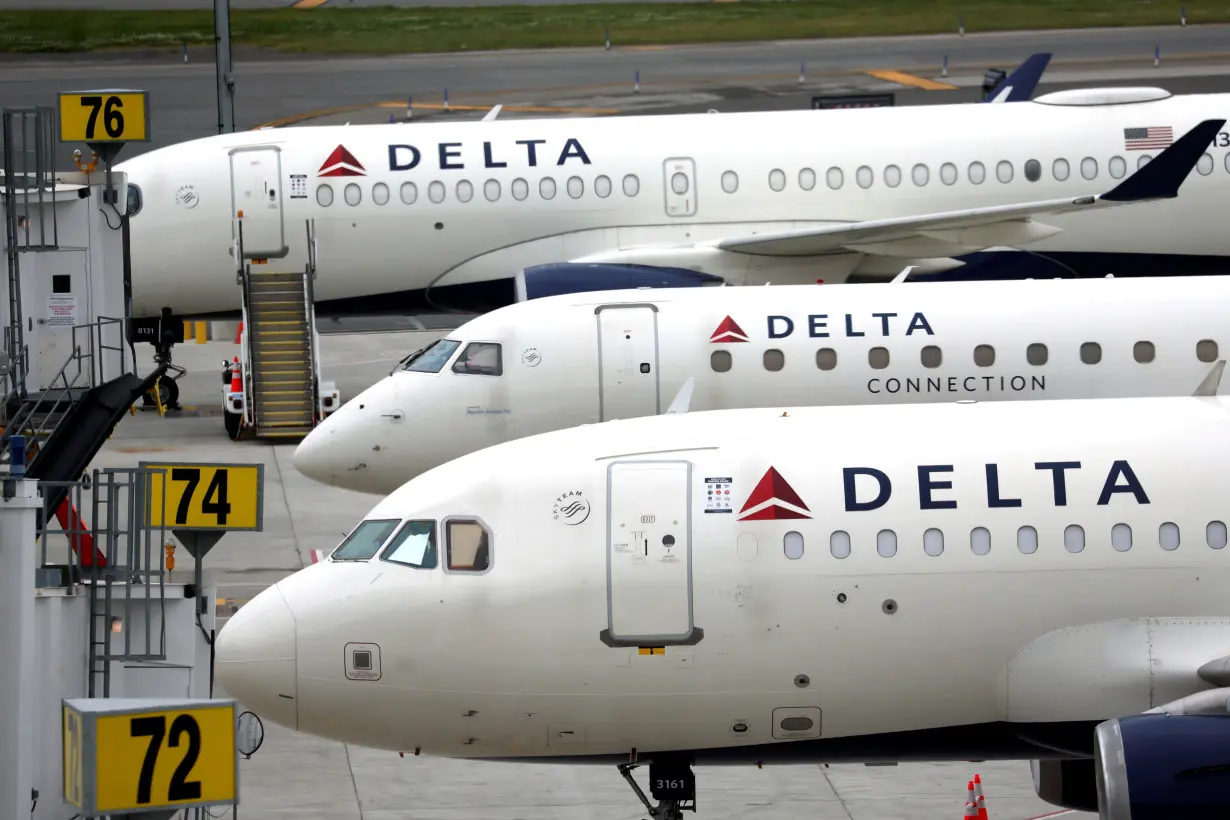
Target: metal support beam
x=225, y=66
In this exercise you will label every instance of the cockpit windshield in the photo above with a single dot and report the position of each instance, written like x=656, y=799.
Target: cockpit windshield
x=431, y=358
x=414, y=545
x=364, y=540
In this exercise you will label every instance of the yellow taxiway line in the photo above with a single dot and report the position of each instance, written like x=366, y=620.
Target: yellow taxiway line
x=910, y=79
x=309, y=4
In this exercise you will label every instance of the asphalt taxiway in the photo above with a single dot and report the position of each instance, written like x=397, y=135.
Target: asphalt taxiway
x=304, y=777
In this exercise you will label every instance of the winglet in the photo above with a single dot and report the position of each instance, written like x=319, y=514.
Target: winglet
x=493, y=113
x=901, y=277
x=1209, y=386
x=683, y=399
x=1161, y=177
x=1019, y=86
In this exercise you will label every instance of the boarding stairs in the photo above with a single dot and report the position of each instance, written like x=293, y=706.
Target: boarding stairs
x=280, y=372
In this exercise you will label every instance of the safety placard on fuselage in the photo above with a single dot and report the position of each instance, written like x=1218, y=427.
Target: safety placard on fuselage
x=717, y=494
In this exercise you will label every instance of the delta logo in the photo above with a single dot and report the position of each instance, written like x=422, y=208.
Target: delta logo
x=773, y=499
x=728, y=332
x=342, y=163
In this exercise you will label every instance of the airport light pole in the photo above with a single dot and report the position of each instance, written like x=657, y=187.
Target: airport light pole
x=225, y=66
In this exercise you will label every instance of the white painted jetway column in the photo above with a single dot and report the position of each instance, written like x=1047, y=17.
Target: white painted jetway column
x=19, y=503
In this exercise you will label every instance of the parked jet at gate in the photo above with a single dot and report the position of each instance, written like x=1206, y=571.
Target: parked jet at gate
x=555, y=362
x=444, y=214
x=783, y=585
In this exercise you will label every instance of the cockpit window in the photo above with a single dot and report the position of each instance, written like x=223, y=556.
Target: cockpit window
x=481, y=358
x=431, y=358
x=414, y=545
x=133, y=206
x=364, y=540
x=469, y=546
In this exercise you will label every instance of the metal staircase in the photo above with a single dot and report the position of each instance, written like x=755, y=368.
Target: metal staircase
x=280, y=348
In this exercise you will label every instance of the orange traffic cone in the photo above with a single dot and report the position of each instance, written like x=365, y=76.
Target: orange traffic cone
x=971, y=801
x=239, y=333
x=980, y=801
x=236, y=379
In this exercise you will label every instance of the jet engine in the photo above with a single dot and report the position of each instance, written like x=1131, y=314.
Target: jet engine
x=557, y=278
x=1068, y=783
x=1158, y=766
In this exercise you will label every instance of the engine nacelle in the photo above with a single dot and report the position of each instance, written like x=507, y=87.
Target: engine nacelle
x=1068, y=784
x=1163, y=767
x=558, y=278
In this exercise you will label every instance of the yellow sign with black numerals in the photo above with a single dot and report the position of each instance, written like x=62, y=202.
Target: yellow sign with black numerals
x=104, y=116
x=129, y=755
x=205, y=496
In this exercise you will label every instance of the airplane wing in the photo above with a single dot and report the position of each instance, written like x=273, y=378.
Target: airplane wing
x=1159, y=179
x=1019, y=86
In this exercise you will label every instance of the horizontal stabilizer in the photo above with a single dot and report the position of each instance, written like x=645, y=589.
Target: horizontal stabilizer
x=1208, y=387
x=683, y=399
x=1158, y=179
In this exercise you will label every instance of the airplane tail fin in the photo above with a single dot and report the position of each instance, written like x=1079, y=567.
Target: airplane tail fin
x=1019, y=86
x=1161, y=177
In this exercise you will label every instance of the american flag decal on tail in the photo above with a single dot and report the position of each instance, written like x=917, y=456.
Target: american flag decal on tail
x=1142, y=139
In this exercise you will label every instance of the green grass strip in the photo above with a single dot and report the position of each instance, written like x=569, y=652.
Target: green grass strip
x=386, y=30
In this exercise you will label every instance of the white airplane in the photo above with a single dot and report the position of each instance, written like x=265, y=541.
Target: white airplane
x=555, y=362
x=443, y=214
x=952, y=581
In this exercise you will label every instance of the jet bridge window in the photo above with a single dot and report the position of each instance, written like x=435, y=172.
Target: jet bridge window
x=1143, y=352
x=469, y=546
x=413, y=546
x=720, y=361
x=1206, y=349
x=324, y=195
x=364, y=540
x=431, y=358
x=481, y=358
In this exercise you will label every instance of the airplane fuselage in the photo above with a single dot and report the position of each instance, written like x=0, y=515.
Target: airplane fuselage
x=461, y=207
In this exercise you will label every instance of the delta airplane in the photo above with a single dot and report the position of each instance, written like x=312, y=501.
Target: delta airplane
x=558, y=361
x=958, y=581
x=442, y=215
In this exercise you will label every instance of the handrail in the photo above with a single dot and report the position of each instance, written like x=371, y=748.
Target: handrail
x=309, y=314
x=245, y=348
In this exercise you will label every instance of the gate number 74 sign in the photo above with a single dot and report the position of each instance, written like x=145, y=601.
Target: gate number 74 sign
x=205, y=496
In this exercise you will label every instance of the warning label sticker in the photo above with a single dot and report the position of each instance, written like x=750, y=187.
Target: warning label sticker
x=717, y=494
x=298, y=186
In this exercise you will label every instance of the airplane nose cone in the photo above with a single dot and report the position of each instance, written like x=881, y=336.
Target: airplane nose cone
x=317, y=456
x=255, y=658
x=347, y=450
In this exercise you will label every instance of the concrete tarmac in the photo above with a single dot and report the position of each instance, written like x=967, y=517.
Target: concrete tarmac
x=295, y=775
x=279, y=87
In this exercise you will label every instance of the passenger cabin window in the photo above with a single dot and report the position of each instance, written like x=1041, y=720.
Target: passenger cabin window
x=1091, y=353
x=1036, y=354
x=481, y=359
x=774, y=359
x=431, y=358
x=931, y=356
x=469, y=546
x=414, y=545
x=826, y=358
x=364, y=540
x=720, y=361
x=1143, y=352
x=1206, y=349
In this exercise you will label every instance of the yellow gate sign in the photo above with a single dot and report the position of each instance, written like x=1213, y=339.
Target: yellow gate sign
x=129, y=755
x=206, y=496
x=116, y=115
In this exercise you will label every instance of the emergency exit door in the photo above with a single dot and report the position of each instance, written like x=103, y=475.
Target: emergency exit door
x=256, y=189
x=680, y=184
x=627, y=361
x=649, y=553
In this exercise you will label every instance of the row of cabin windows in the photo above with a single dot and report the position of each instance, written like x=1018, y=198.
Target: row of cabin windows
x=984, y=356
x=467, y=544
x=352, y=194
x=1026, y=540
x=864, y=177
x=976, y=173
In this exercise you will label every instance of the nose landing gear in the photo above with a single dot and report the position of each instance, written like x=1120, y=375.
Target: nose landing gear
x=671, y=782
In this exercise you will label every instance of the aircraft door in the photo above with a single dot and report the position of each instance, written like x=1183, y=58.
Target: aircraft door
x=627, y=361
x=256, y=189
x=649, y=553
x=680, y=185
